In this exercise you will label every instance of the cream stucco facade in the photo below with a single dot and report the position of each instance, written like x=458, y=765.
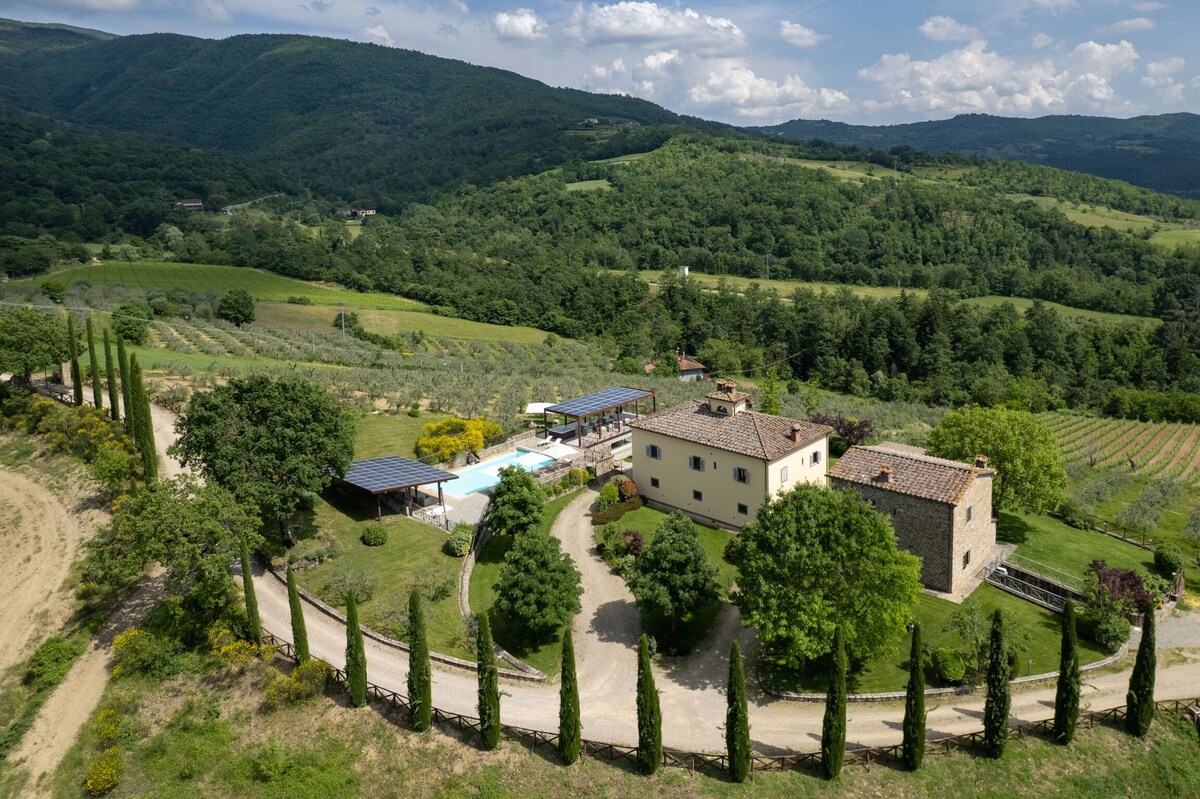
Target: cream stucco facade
x=716, y=484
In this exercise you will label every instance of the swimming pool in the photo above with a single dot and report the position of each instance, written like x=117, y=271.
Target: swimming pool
x=487, y=474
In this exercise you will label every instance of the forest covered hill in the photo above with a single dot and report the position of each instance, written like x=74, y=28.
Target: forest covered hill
x=370, y=124
x=1160, y=152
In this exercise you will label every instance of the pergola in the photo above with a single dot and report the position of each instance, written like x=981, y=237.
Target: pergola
x=597, y=404
x=381, y=476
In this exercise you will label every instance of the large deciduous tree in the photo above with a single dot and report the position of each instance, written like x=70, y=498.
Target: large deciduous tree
x=539, y=587
x=517, y=504
x=1022, y=450
x=673, y=578
x=236, y=306
x=814, y=560
x=193, y=530
x=268, y=441
x=31, y=339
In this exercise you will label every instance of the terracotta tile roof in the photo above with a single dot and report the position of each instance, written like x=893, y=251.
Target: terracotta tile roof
x=758, y=435
x=687, y=364
x=911, y=472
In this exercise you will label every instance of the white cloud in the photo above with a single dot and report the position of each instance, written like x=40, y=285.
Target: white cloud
x=215, y=9
x=520, y=25
x=1129, y=26
x=797, y=35
x=731, y=84
x=948, y=29
x=459, y=6
x=1159, y=78
x=972, y=79
x=91, y=5
x=376, y=33
x=1144, y=7
x=649, y=23
x=1041, y=40
x=659, y=60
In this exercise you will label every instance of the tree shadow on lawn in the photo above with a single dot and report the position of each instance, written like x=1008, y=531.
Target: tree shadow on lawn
x=1012, y=529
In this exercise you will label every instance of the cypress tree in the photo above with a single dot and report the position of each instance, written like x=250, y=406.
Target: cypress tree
x=833, y=728
x=94, y=366
x=913, y=750
x=1140, y=700
x=999, y=698
x=489, y=687
x=649, y=754
x=73, y=349
x=252, y=618
x=420, y=678
x=299, y=631
x=569, y=726
x=143, y=426
x=737, y=718
x=1066, y=697
x=356, y=656
x=123, y=365
x=111, y=376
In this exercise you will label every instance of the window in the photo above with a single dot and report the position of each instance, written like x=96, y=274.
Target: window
x=969, y=512
x=742, y=509
x=816, y=457
x=783, y=475
x=722, y=409
x=698, y=496
x=654, y=482
x=741, y=475
x=966, y=558
x=696, y=463
x=654, y=451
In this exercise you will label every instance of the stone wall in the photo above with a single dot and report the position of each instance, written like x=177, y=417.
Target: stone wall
x=974, y=538
x=923, y=527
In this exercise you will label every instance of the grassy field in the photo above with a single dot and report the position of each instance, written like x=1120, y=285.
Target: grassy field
x=263, y=286
x=590, y=185
x=787, y=287
x=389, y=321
x=482, y=593
x=1038, y=644
x=1048, y=541
x=412, y=555
x=381, y=434
x=1168, y=234
x=206, y=736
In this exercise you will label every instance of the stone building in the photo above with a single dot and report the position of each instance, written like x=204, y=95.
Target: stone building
x=941, y=510
x=717, y=460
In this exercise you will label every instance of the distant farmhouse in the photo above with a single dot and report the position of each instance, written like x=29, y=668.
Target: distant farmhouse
x=193, y=205
x=690, y=370
x=718, y=460
x=356, y=213
x=941, y=510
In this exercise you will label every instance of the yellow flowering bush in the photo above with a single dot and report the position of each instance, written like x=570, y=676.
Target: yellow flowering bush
x=105, y=772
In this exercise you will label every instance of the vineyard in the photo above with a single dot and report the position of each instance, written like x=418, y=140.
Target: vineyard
x=1158, y=450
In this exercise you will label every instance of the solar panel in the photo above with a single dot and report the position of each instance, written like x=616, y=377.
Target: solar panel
x=385, y=474
x=600, y=401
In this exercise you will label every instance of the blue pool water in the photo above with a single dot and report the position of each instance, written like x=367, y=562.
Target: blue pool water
x=487, y=474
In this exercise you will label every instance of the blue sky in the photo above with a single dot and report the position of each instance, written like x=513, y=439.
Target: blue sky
x=862, y=61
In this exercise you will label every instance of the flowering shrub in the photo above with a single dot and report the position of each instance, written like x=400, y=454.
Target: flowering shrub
x=105, y=772
x=109, y=726
x=140, y=652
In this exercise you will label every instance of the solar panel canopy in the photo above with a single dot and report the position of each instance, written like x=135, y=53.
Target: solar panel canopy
x=600, y=401
x=378, y=475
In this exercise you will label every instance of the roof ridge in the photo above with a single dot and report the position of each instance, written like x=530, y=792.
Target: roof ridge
x=931, y=459
x=758, y=432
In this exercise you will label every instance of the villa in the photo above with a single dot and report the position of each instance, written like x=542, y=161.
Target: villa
x=717, y=460
x=941, y=510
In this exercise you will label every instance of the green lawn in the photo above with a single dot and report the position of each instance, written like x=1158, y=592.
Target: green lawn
x=413, y=553
x=389, y=321
x=482, y=594
x=590, y=185
x=1049, y=541
x=1039, y=647
x=263, y=286
x=381, y=434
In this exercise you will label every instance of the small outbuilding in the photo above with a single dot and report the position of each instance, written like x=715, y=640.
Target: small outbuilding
x=396, y=474
x=940, y=509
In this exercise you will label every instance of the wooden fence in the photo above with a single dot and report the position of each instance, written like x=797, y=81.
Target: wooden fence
x=864, y=756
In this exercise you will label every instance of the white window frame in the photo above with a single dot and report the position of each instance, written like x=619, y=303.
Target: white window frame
x=783, y=474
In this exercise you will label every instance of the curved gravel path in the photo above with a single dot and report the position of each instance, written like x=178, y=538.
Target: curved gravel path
x=692, y=691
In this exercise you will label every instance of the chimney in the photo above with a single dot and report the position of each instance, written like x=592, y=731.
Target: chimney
x=726, y=386
x=981, y=461
x=885, y=474
x=797, y=432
